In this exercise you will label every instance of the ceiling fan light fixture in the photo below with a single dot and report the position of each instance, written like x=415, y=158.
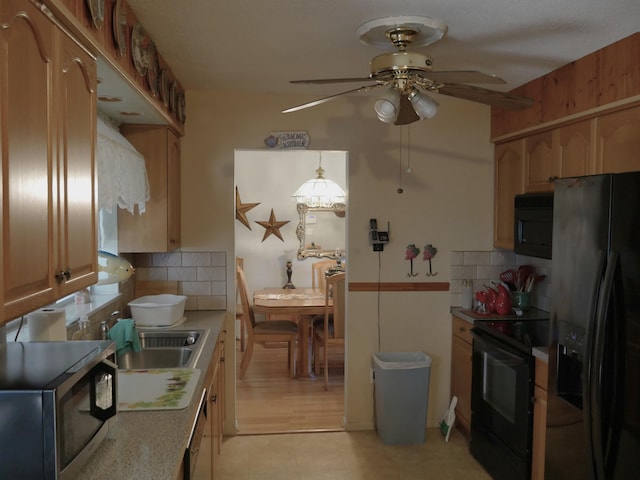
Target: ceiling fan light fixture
x=423, y=104
x=387, y=105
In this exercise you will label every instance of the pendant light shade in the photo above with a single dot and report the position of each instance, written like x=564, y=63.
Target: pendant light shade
x=320, y=191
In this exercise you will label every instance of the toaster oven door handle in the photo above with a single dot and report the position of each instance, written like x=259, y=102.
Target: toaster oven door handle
x=103, y=397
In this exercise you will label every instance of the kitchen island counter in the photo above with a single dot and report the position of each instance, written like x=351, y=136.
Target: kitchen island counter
x=150, y=444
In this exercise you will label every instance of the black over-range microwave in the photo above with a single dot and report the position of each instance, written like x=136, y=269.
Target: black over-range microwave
x=533, y=224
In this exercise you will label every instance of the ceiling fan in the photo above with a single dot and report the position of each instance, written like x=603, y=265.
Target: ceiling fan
x=408, y=75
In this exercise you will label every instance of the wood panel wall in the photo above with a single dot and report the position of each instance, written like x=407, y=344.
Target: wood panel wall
x=600, y=78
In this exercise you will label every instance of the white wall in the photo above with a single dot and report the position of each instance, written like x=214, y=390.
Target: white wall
x=447, y=201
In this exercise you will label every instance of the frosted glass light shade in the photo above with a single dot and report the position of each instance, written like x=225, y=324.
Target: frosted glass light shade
x=320, y=192
x=387, y=105
x=424, y=105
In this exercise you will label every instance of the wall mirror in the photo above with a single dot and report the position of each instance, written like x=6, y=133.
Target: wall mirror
x=321, y=231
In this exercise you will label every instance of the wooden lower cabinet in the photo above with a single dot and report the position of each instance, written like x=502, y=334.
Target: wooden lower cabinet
x=461, y=354
x=539, y=420
x=212, y=437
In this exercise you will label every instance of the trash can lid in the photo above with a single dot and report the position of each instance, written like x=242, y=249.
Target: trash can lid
x=401, y=360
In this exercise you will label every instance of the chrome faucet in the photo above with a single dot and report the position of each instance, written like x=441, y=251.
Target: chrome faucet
x=105, y=325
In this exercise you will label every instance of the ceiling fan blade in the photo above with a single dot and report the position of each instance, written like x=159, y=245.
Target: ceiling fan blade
x=406, y=113
x=320, y=101
x=322, y=81
x=488, y=97
x=463, y=76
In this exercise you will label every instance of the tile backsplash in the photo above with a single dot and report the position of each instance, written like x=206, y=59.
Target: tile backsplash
x=484, y=266
x=201, y=276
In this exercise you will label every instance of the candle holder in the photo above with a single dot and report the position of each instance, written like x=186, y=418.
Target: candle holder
x=289, y=272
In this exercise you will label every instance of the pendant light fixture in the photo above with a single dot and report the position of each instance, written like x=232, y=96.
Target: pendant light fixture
x=319, y=191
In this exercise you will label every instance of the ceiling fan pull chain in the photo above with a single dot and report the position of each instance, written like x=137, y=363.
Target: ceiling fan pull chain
x=409, y=169
x=400, y=189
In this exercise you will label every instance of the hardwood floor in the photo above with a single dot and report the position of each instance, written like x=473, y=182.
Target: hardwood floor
x=268, y=401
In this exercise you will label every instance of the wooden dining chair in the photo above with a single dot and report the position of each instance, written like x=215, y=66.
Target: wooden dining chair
x=239, y=312
x=331, y=330
x=318, y=270
x=265, y=331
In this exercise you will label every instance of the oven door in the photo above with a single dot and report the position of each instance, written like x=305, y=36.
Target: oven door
x=502, y=394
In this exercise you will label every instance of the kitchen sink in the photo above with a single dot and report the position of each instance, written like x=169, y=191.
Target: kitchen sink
x=164, y=349
x=148, y=358
x=170, y=338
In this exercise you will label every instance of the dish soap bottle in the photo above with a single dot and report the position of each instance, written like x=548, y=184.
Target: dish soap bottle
x=83, y=329
x=467, y=294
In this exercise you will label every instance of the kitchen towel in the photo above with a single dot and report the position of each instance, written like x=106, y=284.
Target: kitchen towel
x=48, y=324
x=125, y=335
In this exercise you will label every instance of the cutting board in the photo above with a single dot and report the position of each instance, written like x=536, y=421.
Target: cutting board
x=157, y=389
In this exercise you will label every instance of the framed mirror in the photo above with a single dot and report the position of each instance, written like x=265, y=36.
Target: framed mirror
x=321, y=231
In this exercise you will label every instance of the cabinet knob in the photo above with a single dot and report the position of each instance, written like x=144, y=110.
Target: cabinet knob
x=214, y=398
x=67, y=273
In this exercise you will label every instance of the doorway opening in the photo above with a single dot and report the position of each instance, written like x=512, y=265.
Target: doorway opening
x=267, y=399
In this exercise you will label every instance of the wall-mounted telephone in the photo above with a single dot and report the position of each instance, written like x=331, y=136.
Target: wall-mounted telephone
x=376, y=238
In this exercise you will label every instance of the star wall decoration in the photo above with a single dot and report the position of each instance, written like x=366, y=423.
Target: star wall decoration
x=272, y=226
x=242, y=209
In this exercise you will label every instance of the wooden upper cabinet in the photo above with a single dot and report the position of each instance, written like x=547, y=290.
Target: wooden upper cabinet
x=618, y=141
x=47, y=125
x=575, y=145
x=27, y=62
x=158, y=228
x=540, y=164
x=77, y=247
x=508, y=182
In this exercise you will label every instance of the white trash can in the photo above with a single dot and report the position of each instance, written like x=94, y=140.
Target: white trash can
x=401, y=384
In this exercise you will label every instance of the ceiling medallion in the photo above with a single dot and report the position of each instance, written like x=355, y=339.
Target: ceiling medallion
x=416, y=30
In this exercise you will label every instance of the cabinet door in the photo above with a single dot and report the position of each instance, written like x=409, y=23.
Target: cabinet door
x=541, y=165
x=509, y=181
x=618, y=141
x=576, y=152
x=158, y=229
x=173, y=191
x=77, y=247
x=27, y=39
x=539, y=434
x=461, y=380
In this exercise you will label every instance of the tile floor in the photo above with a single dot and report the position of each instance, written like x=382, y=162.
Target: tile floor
x=345, y=455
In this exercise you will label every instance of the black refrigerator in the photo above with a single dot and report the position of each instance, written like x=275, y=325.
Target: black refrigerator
x=593, y=410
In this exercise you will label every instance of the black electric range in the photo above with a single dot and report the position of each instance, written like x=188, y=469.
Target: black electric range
x=523, y=332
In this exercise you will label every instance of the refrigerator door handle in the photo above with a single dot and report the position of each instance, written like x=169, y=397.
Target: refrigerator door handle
x=595, y=376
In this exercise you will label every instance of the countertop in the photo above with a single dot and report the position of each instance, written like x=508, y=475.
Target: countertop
x=531, y=314
x=150, y=445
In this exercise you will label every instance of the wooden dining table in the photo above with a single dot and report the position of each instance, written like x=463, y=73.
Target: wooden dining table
x=303, y=304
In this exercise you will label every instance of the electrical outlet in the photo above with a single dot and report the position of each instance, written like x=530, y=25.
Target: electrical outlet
x=378, y=247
